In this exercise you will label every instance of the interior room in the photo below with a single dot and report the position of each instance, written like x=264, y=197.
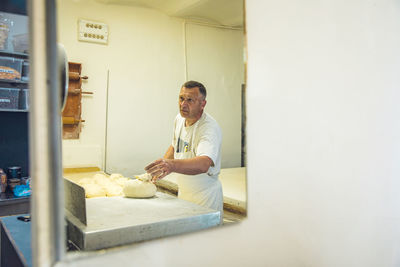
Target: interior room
x=125, y=63
x=321, y=147
x=151, y=50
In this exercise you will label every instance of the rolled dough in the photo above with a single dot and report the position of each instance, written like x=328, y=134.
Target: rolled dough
x=139, y=189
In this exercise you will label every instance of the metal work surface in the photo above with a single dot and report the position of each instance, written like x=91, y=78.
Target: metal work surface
x=117, y=221
x=17, y=234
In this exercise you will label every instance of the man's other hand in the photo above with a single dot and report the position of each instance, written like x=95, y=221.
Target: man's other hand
x=159, y=169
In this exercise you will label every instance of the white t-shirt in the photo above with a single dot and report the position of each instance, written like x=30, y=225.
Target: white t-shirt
x=203, y=138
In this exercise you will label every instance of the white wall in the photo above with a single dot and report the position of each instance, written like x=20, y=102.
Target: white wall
x=88, y=150
x=215, y=55
x=323, y=144
x=143, y=89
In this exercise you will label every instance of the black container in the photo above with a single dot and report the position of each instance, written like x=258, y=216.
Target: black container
x=9, y=98
x=14, y=172
x=10, y=68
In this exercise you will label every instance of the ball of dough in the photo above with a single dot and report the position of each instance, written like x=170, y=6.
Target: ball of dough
x=144, y=177
x=94, y=190
x=139, y=189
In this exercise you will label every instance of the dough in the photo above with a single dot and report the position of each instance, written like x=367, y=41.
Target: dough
x=116, y=176
x=144, y=177
x=94, y=190
x=103, y=181
x=84, y=181
x=113, y=191
x=139, y=189
x=121, y=181
x=101, y=185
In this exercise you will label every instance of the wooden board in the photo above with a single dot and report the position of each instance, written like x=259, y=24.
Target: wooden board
x=73, y=106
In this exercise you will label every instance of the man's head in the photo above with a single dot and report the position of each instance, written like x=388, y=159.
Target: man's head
x=192, y=100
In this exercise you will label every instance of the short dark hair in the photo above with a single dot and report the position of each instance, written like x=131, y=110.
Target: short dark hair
x=193, y=84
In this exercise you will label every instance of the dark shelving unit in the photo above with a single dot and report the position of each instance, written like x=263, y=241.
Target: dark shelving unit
x=14, y=143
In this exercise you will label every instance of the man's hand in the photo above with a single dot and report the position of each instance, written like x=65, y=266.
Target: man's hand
x=159, y=169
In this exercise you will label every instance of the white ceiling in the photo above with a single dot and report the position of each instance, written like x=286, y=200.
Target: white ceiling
x=224, y=12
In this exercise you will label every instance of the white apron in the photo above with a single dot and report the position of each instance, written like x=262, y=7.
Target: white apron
x=202, y=189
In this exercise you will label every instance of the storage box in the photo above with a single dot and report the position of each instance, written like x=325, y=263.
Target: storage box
x=21, y=43
x=9, y=98
x=4, y=30
x=10, y=68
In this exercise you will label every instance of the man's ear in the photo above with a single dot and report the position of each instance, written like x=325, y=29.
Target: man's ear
x=204, y=103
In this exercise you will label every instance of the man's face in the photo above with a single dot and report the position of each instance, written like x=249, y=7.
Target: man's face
x=191, y=103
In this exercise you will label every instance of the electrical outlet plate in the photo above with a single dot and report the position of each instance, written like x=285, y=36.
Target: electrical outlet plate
x=91, y=31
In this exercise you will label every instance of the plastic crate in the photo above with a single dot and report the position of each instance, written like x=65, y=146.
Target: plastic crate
x=4, y=31
x=21, y=43
x=9, y=98
x=10, y=68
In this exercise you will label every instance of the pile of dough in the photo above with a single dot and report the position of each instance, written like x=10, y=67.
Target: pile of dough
x=114, y=190
x=84, y=181
x=139, y=189
x=94, y=190
x=115, y=176
x=118, y=179
x=100, y=186
x=102, y=180
x=121, y=181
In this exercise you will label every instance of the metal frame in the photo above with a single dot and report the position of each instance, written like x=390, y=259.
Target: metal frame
x=48, y=234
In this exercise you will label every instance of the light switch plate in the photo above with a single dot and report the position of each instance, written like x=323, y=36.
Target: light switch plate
x=92, y=31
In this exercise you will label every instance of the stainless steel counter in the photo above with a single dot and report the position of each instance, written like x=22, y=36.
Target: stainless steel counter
x=113, y=221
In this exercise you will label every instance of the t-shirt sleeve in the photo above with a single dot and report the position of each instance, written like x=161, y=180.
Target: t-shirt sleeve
x=209, y=143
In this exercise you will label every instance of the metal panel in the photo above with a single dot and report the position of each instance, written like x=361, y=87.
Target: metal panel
x=117, y=221
x=75, y=200
x=15, y=242
x=47, y=202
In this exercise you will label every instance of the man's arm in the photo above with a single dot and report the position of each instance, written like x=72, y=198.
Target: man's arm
x=162, y=167
x=170, y=153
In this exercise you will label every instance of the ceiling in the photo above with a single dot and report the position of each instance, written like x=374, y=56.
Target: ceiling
x=223, y=12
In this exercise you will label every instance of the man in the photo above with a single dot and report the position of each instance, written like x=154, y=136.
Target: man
x=195, y=153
